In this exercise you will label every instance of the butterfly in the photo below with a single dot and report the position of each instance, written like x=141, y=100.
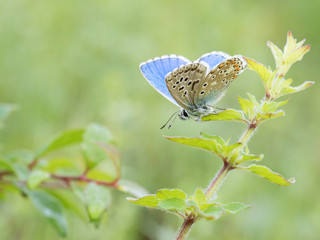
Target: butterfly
x=193, y=86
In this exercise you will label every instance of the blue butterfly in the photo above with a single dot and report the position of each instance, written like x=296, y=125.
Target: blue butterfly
x=193, y=86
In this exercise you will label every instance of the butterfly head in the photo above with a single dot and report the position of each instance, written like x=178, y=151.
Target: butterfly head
x=184, y=115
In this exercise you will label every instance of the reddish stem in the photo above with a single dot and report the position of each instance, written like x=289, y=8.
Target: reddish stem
x=83, y=178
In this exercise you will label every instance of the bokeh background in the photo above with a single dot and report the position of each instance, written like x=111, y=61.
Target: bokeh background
x=69, y=63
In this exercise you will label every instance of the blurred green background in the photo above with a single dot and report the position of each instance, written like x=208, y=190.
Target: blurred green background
x=69, y=63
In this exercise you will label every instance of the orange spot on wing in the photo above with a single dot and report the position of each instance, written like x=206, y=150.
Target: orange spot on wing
x=235, y=76
x=237, y=69
x=221, y=65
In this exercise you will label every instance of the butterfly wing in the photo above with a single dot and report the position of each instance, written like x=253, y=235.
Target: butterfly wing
x=183, y=82
x=155, y=71
x=213, y=58
x=214, y=85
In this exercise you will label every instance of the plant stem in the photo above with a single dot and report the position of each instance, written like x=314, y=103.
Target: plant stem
x=218, y=180
x=188, y=222
x=213, y=187
x=185, y=227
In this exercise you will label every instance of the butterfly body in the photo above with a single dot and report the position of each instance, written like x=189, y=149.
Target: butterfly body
x=193, y=86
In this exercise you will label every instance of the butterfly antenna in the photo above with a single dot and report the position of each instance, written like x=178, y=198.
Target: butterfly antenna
x=169, y=120
x=175, y=117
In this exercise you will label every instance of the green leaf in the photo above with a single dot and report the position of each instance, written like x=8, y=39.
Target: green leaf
x=267, y=116
x=266, y=173
x=146, y=201
x=226, y=115
x=70, y=201
x=272, y=106
x=99, y=175
x=5, y=110
x=36, y=177
x=94, y=136
x=213, y=211
x=173, y=204
x=277, y=53
x=207, y=144
x=247, y=107
x=260, y=69
x=288, y=89
x=51, y=208
x=297, y=54
x=98, y=199
x=163, y=194
x=230, y=148
x=132, y=188
x=62, y=166
x=199, y=197
x=234, y=207
x=21, y=171
x=217, y=138
x=249, y=157
x=61, y=140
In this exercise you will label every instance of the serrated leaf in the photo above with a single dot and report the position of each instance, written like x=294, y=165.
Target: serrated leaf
x=146, y=201
x=247, y=107
x=272, y=106
x=36, y=177
x=234, y=207
x=277, y=53
x=264, y=73
x=173, y=204
x=249, y=157
x=266, y=173
x=95, y=135
x=170, y=193
x=98, y=199
x=61, y=140
x=132, y=188
x=289, y=89
x=199, y=197
x=226, y=115
x=217, y=138
x=206, y=144
x=51, y=208
x=297, y=54
x=290, y=45
x=267, y=116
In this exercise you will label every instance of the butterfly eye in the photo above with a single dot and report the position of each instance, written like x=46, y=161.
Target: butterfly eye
x=185, y=114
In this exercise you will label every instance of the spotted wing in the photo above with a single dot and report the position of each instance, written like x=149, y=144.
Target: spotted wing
x=155, y=71
x=213, y=58
x=214, y=85
x=183, y=82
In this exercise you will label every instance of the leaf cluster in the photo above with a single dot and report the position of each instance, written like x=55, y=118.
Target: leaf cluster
x=55, y=182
